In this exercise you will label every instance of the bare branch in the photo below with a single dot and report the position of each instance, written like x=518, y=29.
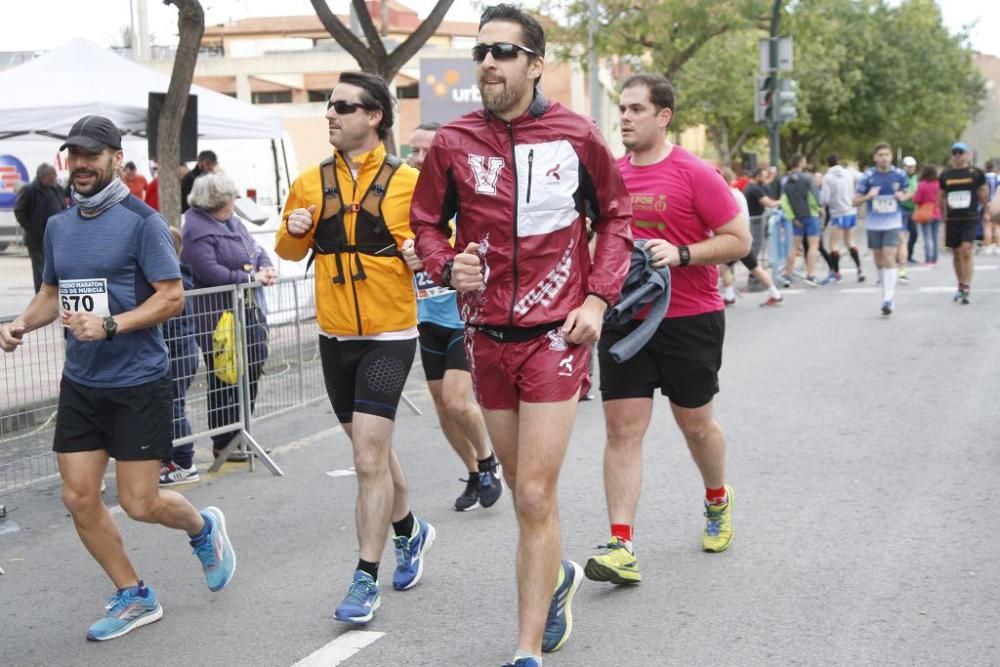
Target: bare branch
x=402, y=53
x=347, y=39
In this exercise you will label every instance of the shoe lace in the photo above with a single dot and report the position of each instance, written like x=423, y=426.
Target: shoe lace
x=404, y=549
x=205, y=552
x=471, y=485
x=117, y=603
x=611, y=546
x=485, y=478
x=360, y=590
x=714, y=514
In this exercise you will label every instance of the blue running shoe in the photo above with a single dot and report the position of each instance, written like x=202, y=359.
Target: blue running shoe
x=410, y=553
x=362, y=600
x=216, y=554
x=126, y=611
x=523, y=662
x=559, y=625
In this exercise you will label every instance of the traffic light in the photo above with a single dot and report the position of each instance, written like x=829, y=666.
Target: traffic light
x=787, y=98
x=762, y=99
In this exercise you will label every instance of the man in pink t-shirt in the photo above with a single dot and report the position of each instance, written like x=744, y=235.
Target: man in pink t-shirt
x=692, y=223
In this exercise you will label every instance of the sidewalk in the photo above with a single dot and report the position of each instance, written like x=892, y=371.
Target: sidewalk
x=17, y=287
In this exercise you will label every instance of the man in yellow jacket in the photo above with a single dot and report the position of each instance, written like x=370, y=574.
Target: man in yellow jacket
x=352, y=213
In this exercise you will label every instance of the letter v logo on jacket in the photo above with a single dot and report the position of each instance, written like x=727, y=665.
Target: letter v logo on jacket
x=486, y=177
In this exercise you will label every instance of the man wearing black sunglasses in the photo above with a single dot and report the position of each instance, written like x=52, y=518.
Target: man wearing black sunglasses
x=352, y=211
x=522, y=175
x=963, y=192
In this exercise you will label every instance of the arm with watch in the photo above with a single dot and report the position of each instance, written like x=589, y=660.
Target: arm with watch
x=166, y=301
x=730, y=242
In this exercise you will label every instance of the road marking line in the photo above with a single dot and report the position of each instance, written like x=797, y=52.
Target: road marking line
x=990, y=267
x=342, y=473
x=340, y=649
x=942, y=289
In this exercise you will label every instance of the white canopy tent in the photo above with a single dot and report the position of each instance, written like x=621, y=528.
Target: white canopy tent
x=48, y=94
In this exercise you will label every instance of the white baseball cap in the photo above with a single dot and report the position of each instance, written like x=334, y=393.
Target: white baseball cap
x=909, y=161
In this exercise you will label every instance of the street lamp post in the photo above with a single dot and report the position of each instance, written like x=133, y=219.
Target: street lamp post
x=773, y=121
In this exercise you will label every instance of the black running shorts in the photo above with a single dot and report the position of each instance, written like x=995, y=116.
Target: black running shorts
x=365, y=375
x=441, y=349
x=131, y=423
x=958, y=232
x=682, y=358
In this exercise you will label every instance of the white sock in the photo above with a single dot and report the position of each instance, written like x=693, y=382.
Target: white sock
x=888, y=284
x=729, y=293
x=773, y=291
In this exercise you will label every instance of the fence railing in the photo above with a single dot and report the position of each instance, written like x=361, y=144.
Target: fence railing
x=276, y=369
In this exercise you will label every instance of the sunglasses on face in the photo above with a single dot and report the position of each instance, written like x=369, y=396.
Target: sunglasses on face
x=343, y=107
x=958, y=152
x=499, y=51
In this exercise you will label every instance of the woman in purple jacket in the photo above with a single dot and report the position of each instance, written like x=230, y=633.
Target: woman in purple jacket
x=220, y=251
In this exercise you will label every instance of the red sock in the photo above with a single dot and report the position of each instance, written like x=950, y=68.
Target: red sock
x=622, y=531
x=716, y=496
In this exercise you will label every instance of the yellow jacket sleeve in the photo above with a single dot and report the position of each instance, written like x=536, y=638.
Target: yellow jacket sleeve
x=306, y=191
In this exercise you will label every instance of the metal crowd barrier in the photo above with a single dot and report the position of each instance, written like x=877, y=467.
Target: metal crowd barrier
x=279, y=361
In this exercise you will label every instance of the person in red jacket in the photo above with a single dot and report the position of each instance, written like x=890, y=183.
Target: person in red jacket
x=523, y=175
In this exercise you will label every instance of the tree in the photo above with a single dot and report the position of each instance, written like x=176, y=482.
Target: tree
x=870, y=71
x=663, y=34
x=371, y=53
x=190, y=27
x=716, y=89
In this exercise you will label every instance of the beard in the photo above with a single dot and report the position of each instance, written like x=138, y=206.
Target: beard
x=501, y=98
x=101, y=179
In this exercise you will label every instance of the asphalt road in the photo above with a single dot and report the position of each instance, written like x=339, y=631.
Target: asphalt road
x=864, y=456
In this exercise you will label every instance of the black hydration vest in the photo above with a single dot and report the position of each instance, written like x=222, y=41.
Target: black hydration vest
x=371, y=234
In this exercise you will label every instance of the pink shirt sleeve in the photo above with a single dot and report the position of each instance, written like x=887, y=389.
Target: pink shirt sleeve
x=713, y=202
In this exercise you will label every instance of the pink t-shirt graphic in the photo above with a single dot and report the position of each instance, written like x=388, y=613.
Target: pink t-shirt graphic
x=683, y=200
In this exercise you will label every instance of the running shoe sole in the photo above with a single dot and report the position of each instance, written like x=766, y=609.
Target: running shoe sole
x=473, y=506
x=567, y=607
x=220, y=519
x=145, y=619
x=596, y=571
x=175, y=482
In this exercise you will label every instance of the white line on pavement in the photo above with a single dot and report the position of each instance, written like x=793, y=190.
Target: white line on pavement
x=340, y=649
x=943, y=289
x=342, y=473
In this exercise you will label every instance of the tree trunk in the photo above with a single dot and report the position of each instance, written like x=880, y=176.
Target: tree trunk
x=190, y=27
x=372, y=57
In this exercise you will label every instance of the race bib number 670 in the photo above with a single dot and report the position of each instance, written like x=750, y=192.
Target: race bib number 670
x=88, y=295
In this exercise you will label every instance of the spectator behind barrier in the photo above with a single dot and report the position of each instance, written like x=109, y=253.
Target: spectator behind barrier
x=179, y=334
x=220, y=251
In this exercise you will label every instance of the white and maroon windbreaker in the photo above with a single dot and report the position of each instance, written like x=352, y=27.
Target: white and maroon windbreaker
x=521, y=190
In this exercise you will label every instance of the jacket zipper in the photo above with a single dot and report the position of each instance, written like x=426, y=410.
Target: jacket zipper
x=350, y=271
x=513, y=153
x=531, y=160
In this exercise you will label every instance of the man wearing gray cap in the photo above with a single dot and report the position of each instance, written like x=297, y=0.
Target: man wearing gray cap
x=111, y=277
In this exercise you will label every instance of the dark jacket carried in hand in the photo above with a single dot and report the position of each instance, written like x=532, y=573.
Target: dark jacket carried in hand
x=35, y=204
x=644, y=285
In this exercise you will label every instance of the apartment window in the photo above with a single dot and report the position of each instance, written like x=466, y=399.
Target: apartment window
x=273, y=97
x=320, y=95
x=408, y=92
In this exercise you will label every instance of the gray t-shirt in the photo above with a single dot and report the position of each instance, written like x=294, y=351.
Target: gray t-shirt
x=106, y=265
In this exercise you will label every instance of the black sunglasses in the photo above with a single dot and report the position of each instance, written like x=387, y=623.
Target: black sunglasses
x=343, y=107
x=499, y=51
x=958, y=151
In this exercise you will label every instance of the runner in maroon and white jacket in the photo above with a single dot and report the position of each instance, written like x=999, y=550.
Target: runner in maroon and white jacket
x=522, y=191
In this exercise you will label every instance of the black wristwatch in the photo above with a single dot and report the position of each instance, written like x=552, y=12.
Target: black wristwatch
x=685, y=254
x=110, y=327
x=446, y=273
